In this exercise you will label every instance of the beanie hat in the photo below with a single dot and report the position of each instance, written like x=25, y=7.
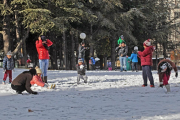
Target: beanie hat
x=147, y=43
x=80, y=60
x=43, y=38
x=38, y=70
x=32, y=71
x=9, y=53
x=122, y=37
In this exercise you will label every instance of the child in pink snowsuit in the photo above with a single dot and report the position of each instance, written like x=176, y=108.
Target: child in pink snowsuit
x=37, y=78
x=164, y=70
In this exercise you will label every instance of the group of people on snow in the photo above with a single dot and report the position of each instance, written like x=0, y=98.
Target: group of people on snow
x=38, y=76
x=164, y=67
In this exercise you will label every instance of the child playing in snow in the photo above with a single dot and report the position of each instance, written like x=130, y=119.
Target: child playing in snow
x=134, y=60
x=146, y=62
x=8, y=66
x=38, y=81
x=164, y=70
x=81, y=71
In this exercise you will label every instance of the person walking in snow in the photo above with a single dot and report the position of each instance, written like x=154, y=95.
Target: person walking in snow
x=22, y=82
x=93, y=62
x=38, y=81
x=42, y=48
x=8, y=66
x=122, y=52
x=164, y=70
x=134, y=59
x=146, y=62
x=81, y=72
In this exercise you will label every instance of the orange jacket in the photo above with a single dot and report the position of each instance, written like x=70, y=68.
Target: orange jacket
x=37, y=80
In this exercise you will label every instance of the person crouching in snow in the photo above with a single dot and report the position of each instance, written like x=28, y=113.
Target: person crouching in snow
x=8, y=66
x=81, y=71
x=22, y=82
x=146, y=62
x=38, y=81
x=164, y=70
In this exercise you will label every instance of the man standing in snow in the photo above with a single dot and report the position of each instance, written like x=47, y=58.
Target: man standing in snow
x=146, y=62
x=82, y=50
x=122, y=52
x=164, y=70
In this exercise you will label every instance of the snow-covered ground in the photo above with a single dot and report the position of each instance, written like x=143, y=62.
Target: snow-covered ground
x=108, y=95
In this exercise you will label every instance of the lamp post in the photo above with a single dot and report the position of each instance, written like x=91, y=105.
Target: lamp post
x=83, y=36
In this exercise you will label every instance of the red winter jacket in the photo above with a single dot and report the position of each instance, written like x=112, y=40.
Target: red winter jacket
x=146, y=56
x=37, y=80
x=42, y=51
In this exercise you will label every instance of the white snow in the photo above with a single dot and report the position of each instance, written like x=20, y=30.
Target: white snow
x=108, y=95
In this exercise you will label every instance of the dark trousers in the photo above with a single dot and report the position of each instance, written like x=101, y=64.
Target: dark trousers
x=18, y=88
x=146, y=72
x=134, y=66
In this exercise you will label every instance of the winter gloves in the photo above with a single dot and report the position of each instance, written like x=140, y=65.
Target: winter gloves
x=176, y=74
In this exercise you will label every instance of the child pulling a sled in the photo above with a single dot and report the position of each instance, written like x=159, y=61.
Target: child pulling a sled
x=164, y=70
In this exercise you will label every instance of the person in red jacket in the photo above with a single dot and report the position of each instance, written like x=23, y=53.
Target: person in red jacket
x=146, y=62
x=42, y=48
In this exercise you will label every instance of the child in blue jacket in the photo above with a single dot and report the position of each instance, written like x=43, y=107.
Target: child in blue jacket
x=134, y=59
x=8, y=66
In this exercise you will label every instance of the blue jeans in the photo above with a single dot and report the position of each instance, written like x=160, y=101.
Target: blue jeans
x=122, y=63
x=146, y=72
x=43, y=64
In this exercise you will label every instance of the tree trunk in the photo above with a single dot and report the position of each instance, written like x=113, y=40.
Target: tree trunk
x=64, y=51
x=164, y=50
x=6, y=33
x=105, y=62
x=77, y=46
x=72, y=53
x=24, y=53
x=113, y=54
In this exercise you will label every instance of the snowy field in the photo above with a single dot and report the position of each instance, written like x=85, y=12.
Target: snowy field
x=108, y=95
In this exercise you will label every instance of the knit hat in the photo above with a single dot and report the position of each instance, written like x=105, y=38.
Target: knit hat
x=147, y=43
x=122, y=37
x=32, y=71
x=9, y=53
x=80, y=60
x=43, y=38
x=38, y=70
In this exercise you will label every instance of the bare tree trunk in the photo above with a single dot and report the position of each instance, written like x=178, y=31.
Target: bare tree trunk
x=113, y=54
x=6, y=33
x=25, y=53
x=164, y=50
x=105, y=62
x=64, y=51
x=77, y=46
x=72, y=52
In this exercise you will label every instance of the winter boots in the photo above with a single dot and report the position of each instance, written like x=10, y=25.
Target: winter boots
x=167, y=87
x=45, y=79
x=84, y=77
